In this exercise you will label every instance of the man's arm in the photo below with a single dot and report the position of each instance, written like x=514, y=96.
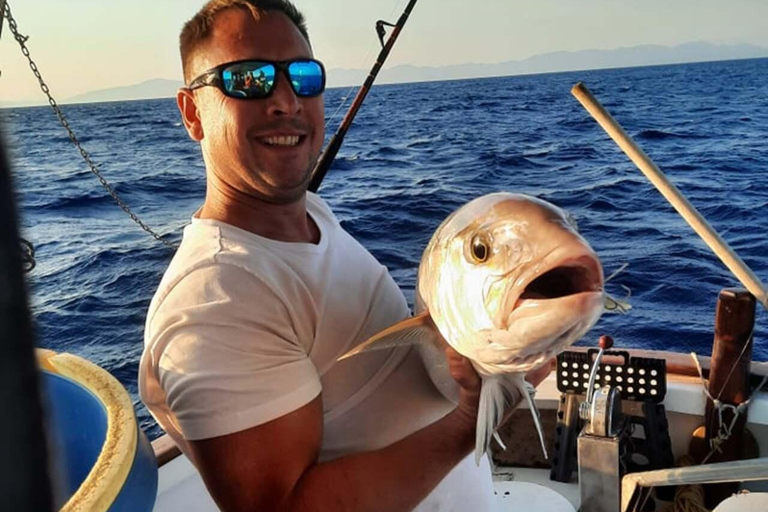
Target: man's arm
x=273, y=467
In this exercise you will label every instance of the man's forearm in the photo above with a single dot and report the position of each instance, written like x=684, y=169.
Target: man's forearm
x=392, y=479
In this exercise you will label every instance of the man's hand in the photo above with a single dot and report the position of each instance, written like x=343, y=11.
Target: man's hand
x=469, y=383
x=538, y=374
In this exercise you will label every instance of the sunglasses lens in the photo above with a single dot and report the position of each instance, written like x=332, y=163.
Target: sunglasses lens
x=307, y=77
x=249, y=79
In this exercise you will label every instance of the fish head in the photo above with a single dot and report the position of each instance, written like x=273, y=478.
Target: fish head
x=509, y=282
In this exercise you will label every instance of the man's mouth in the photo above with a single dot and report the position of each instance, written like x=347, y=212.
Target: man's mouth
x=282, y=140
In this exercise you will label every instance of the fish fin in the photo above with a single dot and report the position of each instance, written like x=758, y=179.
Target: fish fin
x=407, y=332
x=493, y=402
x=498, y=439
x=529, y=392
x=498, y=394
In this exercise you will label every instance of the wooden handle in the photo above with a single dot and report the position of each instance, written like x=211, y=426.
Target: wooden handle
x=699, y=224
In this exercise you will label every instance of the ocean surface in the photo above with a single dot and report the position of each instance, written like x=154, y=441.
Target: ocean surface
x=414, y=154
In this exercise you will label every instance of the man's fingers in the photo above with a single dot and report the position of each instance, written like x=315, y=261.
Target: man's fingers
x=462, y=370
x=538, y=374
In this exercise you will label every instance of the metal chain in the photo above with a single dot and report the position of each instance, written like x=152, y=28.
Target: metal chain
x=64, y=123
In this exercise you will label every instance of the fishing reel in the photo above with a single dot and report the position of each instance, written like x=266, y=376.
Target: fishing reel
x=602, y=409
x=599, y=444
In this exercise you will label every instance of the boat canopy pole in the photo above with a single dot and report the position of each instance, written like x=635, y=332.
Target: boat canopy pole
x=326, y=159
x=691, y=215
x=24, y=478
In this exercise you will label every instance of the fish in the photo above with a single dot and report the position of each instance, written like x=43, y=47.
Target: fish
x=508, y=282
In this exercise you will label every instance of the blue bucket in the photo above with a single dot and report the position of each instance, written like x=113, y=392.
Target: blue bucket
x=102, y=459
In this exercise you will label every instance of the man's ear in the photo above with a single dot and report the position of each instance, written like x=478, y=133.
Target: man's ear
x=185, y=100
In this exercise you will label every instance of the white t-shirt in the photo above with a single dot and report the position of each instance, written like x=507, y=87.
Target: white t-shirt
x=244, y=329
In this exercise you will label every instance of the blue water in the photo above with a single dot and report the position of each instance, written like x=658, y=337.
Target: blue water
x=415, y=153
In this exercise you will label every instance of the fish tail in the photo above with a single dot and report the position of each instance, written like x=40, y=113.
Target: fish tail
x=493, y=403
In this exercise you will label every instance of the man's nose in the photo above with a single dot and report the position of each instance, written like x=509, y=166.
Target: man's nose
x=283, y=100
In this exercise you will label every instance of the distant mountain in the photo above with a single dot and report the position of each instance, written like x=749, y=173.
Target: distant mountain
x=155, y=88
x=644, y=55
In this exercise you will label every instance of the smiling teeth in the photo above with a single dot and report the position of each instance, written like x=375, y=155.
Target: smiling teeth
x=290, y=140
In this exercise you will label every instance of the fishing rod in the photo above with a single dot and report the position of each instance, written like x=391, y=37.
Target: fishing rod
x=326, y=159
x=2, y=16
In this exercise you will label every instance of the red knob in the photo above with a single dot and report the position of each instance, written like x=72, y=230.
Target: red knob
x=605, y=342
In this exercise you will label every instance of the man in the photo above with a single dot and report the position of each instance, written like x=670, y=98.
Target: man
x=267, y=291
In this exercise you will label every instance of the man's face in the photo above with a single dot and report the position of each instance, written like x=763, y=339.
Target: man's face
x=262, y=148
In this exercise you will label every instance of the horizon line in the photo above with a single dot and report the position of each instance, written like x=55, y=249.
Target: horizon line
x=43, y=103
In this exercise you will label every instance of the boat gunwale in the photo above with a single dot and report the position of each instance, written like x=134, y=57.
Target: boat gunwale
x=677, y=364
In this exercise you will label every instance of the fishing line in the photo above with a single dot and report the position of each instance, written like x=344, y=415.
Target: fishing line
x=616, y=272
x=353, y=88
x=620, y=305
x=736, y=362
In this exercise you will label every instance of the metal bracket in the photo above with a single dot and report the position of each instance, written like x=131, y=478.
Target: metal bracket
x=599, y=473
x=381, y=31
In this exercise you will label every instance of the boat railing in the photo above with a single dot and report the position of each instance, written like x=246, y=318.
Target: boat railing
x=636, y=486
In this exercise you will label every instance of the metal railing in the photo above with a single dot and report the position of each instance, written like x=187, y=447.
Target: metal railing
x=636, y=486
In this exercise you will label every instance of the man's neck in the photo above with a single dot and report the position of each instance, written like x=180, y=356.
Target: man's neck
x=282, y=222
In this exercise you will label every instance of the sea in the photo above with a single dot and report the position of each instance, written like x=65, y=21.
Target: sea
x=414, y=154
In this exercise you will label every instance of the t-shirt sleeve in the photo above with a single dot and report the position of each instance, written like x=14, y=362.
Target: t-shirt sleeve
x=231, y=359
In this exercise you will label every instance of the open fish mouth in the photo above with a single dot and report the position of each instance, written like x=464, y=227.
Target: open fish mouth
x=570, y=277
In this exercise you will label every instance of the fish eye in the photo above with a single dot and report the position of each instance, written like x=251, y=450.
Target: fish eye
x=479, y=249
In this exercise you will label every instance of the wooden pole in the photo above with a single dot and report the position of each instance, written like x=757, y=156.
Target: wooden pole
x=699, y=224
x=729, y=380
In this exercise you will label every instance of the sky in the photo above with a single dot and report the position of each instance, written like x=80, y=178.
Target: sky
x=86, y=45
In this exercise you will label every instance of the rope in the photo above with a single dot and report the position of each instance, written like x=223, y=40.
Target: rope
x=65, y=124
x=724, y=431
x=688, y=498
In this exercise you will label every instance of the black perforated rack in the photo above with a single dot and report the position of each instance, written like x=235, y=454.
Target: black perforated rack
x=636, y=378
x=642, y=384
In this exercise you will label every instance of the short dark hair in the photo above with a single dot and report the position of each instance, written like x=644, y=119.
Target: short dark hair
x=199, y=28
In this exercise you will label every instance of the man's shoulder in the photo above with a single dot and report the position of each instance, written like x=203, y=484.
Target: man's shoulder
x=206, y=262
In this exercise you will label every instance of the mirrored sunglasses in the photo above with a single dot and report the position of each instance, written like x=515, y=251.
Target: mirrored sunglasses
x=256, y=79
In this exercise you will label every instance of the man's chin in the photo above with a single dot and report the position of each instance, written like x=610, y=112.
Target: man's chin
x=283, y=193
